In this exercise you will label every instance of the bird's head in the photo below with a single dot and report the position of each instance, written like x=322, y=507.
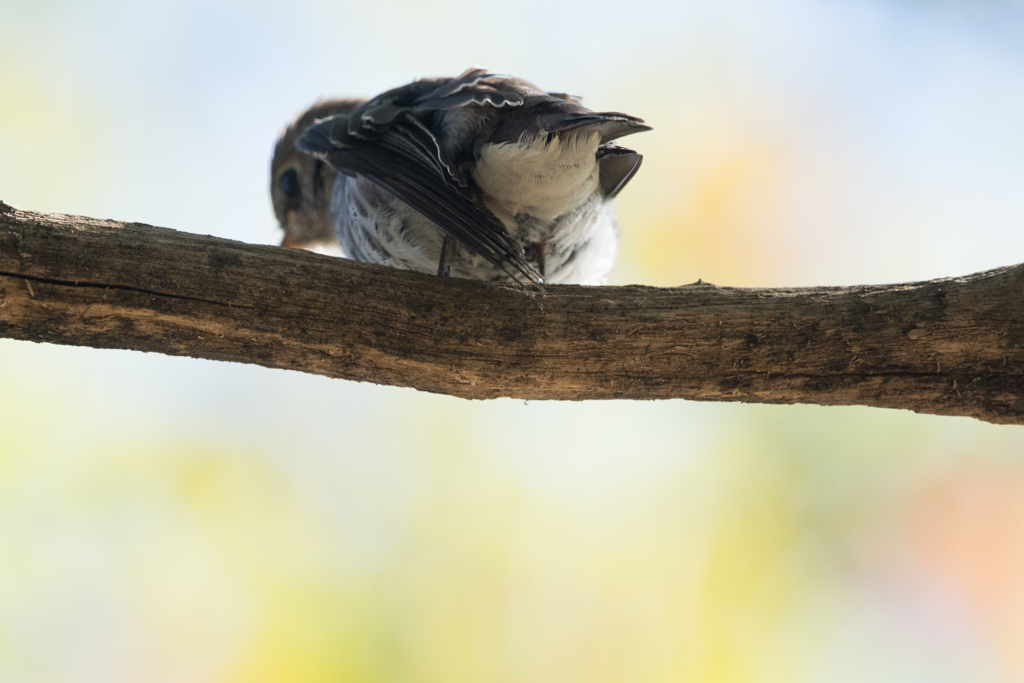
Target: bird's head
x=300, y=185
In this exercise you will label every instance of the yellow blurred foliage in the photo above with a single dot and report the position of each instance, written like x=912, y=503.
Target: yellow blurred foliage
x=44, y=121
x=717, y=227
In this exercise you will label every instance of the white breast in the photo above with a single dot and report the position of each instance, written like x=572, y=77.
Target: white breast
x=542, y=179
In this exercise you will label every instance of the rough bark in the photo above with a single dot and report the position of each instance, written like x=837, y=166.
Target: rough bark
x=951, y=347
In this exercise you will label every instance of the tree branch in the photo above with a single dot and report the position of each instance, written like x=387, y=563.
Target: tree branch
x=950, y=347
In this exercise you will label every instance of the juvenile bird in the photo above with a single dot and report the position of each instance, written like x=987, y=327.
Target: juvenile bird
x=482, y=176
x=301, y=185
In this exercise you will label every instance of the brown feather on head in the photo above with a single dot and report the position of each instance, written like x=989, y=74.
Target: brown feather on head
x=300, y=185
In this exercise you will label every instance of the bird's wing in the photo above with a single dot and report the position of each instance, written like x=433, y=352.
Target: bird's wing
x=616, y=167
x=547, y=116
x=396, y=151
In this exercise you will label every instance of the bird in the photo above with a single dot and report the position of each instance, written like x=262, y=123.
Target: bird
x=301, y=185
x=481, y=176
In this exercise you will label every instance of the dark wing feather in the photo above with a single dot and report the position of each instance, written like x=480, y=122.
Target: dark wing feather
x=406, y=160
x=550, y=116
x=610, y=124
x=617, y=166
x=475, y=86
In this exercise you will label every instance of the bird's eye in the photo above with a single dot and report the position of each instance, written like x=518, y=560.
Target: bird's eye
x=289, y=183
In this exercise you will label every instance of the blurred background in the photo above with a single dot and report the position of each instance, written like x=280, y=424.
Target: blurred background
x=166, y=519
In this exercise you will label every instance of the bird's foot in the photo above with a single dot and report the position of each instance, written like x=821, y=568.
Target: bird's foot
x=444, y=269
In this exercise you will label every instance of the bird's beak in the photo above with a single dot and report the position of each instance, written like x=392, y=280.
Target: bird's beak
x=290, y=243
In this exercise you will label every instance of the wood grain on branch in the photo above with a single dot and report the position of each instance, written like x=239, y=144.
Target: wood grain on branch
x=951, y=347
